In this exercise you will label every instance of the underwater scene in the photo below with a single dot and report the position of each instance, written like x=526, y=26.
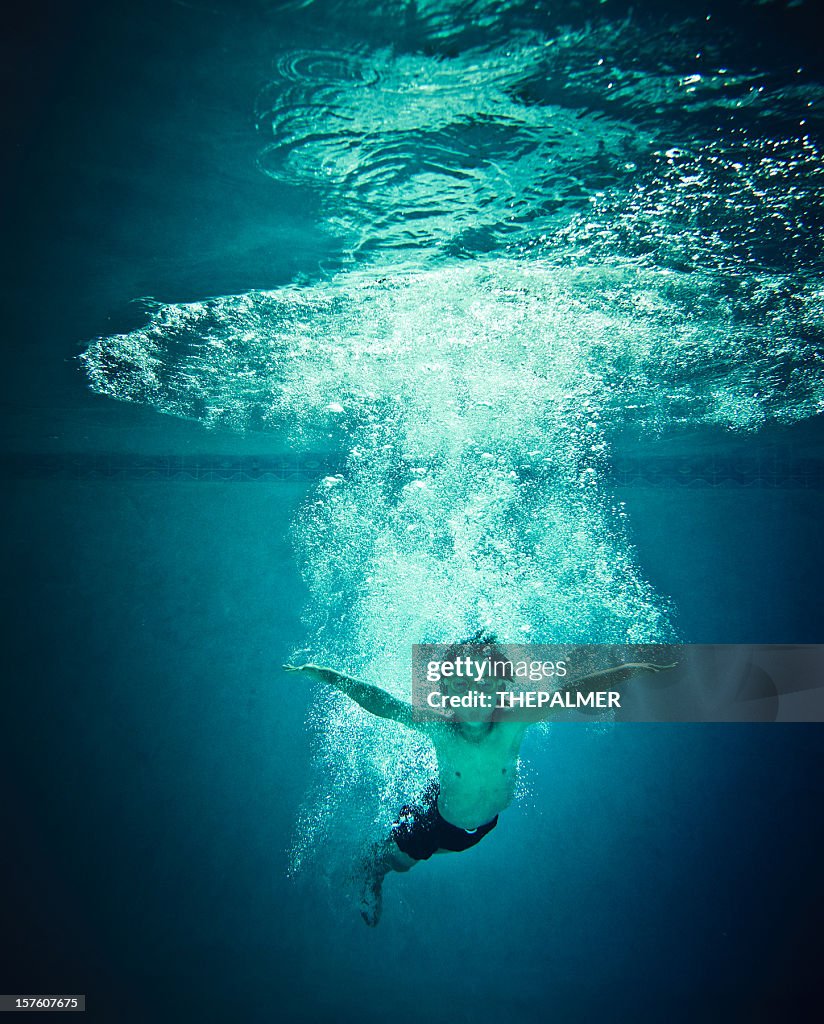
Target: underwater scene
x=337, y=327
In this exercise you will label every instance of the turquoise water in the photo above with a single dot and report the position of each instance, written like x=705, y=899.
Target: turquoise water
x=473, y=255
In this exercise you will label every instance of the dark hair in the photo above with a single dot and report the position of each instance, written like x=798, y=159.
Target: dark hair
x=480, y=646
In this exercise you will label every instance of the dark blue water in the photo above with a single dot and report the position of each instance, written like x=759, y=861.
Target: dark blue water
x=160, y=779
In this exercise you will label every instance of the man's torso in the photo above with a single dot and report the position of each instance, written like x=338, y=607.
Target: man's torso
x=477, y=776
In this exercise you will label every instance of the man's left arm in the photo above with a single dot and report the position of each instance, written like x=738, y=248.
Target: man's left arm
x=614, y=675
x=604, y=679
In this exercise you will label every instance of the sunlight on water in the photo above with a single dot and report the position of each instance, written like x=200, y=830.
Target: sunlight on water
x=420, y=152
x=547, y=235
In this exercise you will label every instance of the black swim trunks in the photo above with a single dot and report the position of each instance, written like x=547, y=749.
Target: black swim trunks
x=420, y=830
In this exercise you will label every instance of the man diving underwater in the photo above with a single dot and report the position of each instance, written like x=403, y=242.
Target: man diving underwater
x=477, y=754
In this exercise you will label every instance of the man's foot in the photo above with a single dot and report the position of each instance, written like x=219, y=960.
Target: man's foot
x=371, y=897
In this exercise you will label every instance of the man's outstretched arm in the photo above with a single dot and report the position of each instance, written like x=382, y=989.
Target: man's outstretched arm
x=614, y=675
x=607, y=677
x=371, y=698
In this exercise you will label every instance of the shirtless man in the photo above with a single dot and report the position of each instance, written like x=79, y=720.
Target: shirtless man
x=477, y=765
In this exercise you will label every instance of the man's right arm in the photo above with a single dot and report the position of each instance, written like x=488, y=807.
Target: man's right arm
x=371, y=698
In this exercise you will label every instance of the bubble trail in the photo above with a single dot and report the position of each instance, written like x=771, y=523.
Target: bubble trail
x=549, y=232
x=476, y=403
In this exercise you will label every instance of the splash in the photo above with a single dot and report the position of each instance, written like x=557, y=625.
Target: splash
x=522, y=357
x=536, y=257
x=476, y=404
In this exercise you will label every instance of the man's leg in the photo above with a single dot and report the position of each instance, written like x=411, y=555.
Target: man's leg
x=383, y=857
x=413, y=831
x=396, y=858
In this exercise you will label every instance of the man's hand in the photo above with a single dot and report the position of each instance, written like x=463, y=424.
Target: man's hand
x=371, y=698
x=613, y=675
x=317, y=673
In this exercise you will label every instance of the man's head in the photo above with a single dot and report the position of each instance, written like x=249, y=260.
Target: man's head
x=479, y=664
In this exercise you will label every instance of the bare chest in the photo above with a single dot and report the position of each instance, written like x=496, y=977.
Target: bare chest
x=477, y=778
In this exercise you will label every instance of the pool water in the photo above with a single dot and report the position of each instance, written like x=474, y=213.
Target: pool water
x=336, y=328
